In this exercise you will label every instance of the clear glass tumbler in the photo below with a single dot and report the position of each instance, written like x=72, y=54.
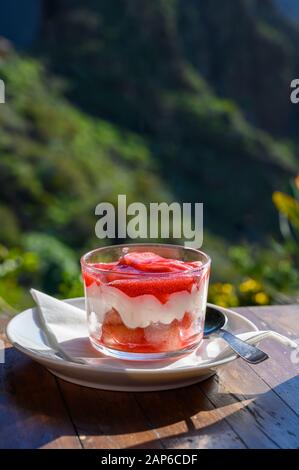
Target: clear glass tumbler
x=145, y=301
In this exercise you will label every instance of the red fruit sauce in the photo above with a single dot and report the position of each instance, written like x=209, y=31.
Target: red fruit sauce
x=135, y=274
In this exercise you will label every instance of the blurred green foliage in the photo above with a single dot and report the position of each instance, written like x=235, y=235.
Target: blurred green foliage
x=199, y=82
x=267, y=275
x=161, y=102
x=56, y=164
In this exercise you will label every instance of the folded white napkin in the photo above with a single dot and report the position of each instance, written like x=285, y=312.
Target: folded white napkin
x=61, y=322
x=66, y=332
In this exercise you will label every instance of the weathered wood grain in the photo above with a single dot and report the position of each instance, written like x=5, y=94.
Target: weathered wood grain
x=171, y=419
x=281, y=372
x=185, y=418
x=259, y=401
x=109, y=420
x=243, y=406
x=32, y=411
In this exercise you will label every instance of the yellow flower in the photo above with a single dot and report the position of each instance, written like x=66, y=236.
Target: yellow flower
x=223, y=294
x=261, y=298
x=249, y=285
x=227, y=288
x=288, y=206
x=221, y=301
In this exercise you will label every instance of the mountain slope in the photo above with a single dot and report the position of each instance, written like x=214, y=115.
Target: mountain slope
x=158, y=68
x=57, y=164
x=237, y=46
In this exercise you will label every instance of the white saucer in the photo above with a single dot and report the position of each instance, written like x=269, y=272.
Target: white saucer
x=108, y=373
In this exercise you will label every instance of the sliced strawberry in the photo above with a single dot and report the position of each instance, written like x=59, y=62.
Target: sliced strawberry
x=161, y=288
x=155, y=338
x=140, y=260
x=174, y=341
x=88, y=278
x=134, y=263
x=164, y=337
x=156, y=334
x=193, y=264
x=113, y=318
x=105, y=266
x=126, y=275
x=150, y=262
x=113, y=335
x=186, y=321
x=165, y=266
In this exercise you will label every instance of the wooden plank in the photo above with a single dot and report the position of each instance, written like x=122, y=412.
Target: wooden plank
x=181, y=418
x=108, y=420
x=32, y=412
x=4, y=319
x=234, y=410
x=281, y=318
x=281, y=371
x=256, y=413
x=259, y=417
x=185, y=418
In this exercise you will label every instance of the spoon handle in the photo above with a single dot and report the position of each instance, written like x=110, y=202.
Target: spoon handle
x=248, y=352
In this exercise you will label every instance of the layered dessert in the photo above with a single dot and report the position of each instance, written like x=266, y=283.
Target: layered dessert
x=145, y=303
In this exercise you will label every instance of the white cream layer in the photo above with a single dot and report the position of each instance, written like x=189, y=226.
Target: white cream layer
x=145, y=309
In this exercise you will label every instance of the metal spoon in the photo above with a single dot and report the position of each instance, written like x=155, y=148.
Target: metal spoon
x=214, y=323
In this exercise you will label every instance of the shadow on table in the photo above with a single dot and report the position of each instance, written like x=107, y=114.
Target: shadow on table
x=262, y=420
x=36, y=409
x=32, y=412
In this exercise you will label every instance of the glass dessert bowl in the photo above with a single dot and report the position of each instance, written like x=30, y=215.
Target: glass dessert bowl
x=145, y=301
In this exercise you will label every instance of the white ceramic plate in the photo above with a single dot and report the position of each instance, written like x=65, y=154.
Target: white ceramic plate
x=108, y=373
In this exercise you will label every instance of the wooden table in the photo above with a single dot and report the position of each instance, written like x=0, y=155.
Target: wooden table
x=242, y=407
